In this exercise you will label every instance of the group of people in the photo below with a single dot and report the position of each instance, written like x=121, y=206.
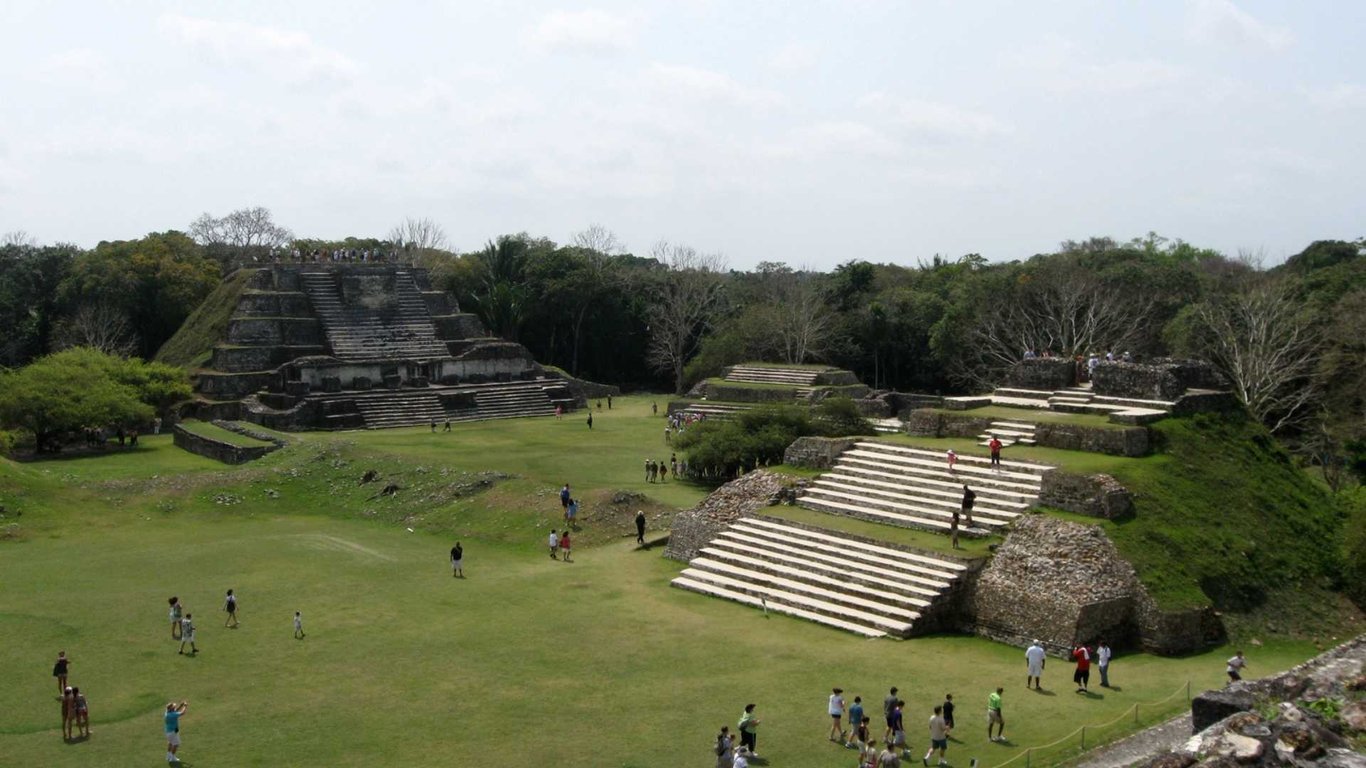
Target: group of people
x=658, y=470
x=680, y=421
x=75, y=709
x=1036, y=658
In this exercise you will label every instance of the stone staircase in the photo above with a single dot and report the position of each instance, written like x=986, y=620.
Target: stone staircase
x=511, y=401
x=357, y=332
x=912, y=487
x=1078, y=399
x=874, y=590
x=384, y=408
x=715, y=410
x=1009, y=433
x=400, y=409
x=763, y=374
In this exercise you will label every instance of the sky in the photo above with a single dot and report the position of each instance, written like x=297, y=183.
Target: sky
x=811, y=133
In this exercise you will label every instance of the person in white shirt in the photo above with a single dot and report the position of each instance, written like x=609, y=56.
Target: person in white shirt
x=554, y=542
x=1035, y=656
x=742, y=756
x=724, y=747
x=1103, y=661
x=1235, y=667
x=298, y=625
x=939, y=737
x=836, y=711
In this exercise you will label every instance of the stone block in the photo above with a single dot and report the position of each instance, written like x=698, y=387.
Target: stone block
x=816, y=452
x=297, y=388
x=393, y=381
x=1044, y=373
x=1212, y=706
x=1093, y=495
x=332, y=384
x=362, y=383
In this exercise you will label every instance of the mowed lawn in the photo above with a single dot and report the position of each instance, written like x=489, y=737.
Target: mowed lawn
x=528, y=661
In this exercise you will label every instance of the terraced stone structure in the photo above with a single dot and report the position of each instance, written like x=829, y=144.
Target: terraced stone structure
x=351, y=346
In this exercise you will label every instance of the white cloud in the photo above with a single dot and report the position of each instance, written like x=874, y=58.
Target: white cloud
x=1224, y=23
x=293, y=55
x=588, y=31
x=1340, y=96
x=792, y=58
x=933, y=120
x=80, y=67
x=705, y=85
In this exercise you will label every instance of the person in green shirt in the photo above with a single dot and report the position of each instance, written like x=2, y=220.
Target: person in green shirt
x=749, y=725
x=994, y=716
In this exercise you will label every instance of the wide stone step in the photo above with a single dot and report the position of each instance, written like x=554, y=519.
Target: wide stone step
x=952, y=497
x=775, y=594
x=1019, y=402
x=1017, y=469
x=845, y=553
x=984, y=515
x=917, y=476
x=714, y=590
x=881, y=515
x=774, y=547
x=918, y=559
x=713, y=558
x=938, y=469
x=800, y=586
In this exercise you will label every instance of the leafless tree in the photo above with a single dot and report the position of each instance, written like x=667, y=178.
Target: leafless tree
x=253, y=227
x=599, y=239
x=799, y=323
x=19, y=238
x=1262, y=339
x=98, y=326
x=1068, y=311
x=419, y=236
x=685, y=298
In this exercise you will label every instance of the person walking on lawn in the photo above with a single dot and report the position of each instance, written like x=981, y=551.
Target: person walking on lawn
x=994, y=716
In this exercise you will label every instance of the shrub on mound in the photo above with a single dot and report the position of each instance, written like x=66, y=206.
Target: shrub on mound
x=758, y=437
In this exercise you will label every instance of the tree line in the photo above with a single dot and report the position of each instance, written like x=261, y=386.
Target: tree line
x=1289, y=337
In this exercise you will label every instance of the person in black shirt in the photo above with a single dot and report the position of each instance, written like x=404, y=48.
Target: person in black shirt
x=948, y=711
x=640, y=526
x=968, y=499
x=458, y=560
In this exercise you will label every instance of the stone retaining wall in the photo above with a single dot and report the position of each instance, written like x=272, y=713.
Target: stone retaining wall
x=1043, y=373
x=1115, y=441
x=695, y=528
x=218, y=450
x=1159, y=379
x=816, y=452
x=739, y=393
x=1093, y=495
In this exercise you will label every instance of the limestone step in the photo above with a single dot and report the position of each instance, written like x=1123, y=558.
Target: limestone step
x=844, y=553
x=714, y=590
x=939, y=564
x=1029, y=394
x=930, y=523
x=817, y=572
x=1030, y=470
x=952, y=496
x=796, y=585
x=918, y=475
x=985, y=516
x=938, y=466
x=1161, y=405
x=780, y=594
x=737, y=566
x=1019, y=402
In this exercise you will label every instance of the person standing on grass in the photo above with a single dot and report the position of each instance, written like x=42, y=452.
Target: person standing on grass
x=994, y=716
x=590, y=421
x=857, y=730
x=836, y=710
x=564, y=496
x=640, y=526
x=298, y=626
x=60, y=670
x=81, y=711
x=1103, y=662
x=890, y=757
x=948, y=713
x=68, y=711
x=230, y=606
x=571, y=512
x=554, y=542
x=741, y=758
x=749, y=730
x=724, y=749
x=898, y=743
x=862, y=734
x=994, y=445
x=1235, y=667
x=564, y=546
x=458, y=560
x=969, y=498
x=889, y=704
x=663, y=471
x=172, y=725
x=868, y=755
x=1035, y=656
x=187, y=634
x=939, y=736
x=1082, y=677
x=175, y=617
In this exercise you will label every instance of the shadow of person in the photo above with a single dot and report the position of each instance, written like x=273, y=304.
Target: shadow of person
x=1045, y=691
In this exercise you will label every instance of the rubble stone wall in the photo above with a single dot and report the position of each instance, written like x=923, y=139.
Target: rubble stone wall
x=1044, y=373
x=816, y=452
x=1093, y=495
x=694, y=528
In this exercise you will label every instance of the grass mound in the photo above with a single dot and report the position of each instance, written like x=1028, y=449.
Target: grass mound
x=1225, y=517
x=192, y=345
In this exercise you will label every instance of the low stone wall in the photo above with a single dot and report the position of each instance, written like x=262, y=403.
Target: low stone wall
x=1065, y=583
x=739, y=393
x=816, y=452
x=695, y=528
x=1043, y=373
x=836, y=378
x=1115, y=441
x=1206, y=402
x=1159, y=379
x=583, y=389
x=218, y=450
x=1093, y=495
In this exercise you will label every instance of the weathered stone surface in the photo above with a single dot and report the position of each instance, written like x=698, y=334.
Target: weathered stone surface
x=816, y=452
x=217, y=450
x=1044, y=373
x=1158, y=379
x=1212, y=706
x=742, y=497
x=1093, y=495
x=1170, y=760
x=1115, y=440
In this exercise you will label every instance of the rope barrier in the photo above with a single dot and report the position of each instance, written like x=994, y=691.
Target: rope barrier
x=1079, y=735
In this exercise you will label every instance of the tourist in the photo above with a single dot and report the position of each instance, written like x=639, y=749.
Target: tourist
x=298, y=625
x=156, y=426
x=554, y=541
x=995, y=447
x=570, y=512
x=230, y=607
x=564, y=545
x=448, y=425
x=172, y=721
x=1091, y=363
x=858, y=731
x=673, y=464
x=559, y=412
x=663, y=471
x=948, y=713
x=640, y=526
x=724, y=748
x=654, y=408
x=458, y=560
x=187, y=634
x=649, y=470
x=564, y=496
x=939, y=736
x=836, y=710
x=898, y=743
x=60, y=669
x=80, y=711
x=1103, y=660
x=590, y=420
x=175, y=617
x=609, y=402
x=1235, y=667
x=68, y=711
x=994, y=716
x=969, y=498
x=889, y=704
x=1035, y=659
x=433, y=426
x=668, y=434
x=953, y=530
x=952, y=457
x=1082, y=677
x=742, y=756
x=890, y=757
x=861, y=735
x=749, y=730
x=868, y=755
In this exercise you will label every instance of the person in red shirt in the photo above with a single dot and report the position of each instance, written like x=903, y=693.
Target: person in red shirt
x=995, y=446
x=564, y=545
x=1082, y=677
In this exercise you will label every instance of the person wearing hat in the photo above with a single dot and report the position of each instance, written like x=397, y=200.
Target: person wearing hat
x=1035, y=656
x=640, y=526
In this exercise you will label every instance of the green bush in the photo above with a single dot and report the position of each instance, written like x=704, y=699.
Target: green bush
x=754, y=438
x=840, y=417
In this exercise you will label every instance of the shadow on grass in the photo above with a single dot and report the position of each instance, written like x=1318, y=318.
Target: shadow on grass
x=653, y=543
x=1043, y=692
